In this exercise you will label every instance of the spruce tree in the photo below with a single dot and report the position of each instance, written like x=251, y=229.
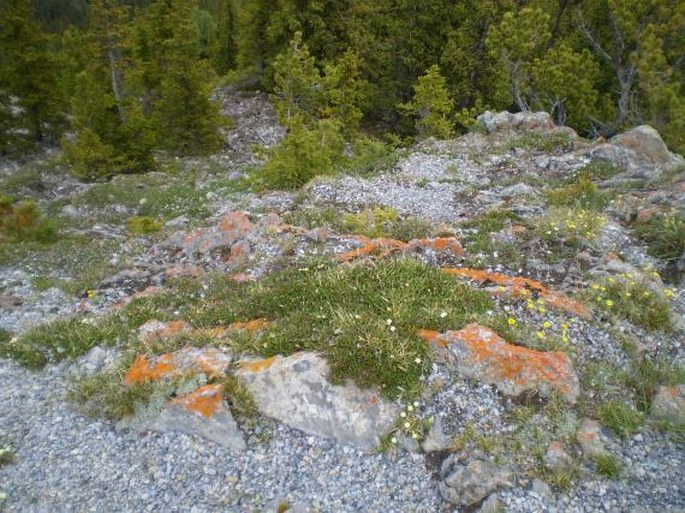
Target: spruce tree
x=31, y=99
x=432, y=106
x=111, y=134
x=177, y=82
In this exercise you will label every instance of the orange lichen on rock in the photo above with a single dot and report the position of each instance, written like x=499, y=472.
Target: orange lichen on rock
x=144, y=370
x=438, y=244
x=484, y=355
x=236, y=221
x=205, y=401
x=522, y=288
x=432, y=337
x=257, y=365
x=154, y=330
x=561, y=302
x=252, y=327
x=382, y=246
x=207, y=360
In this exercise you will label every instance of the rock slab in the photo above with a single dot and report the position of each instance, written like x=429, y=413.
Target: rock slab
x=296, y=391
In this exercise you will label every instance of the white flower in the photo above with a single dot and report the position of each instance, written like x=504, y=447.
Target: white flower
x=393, y=440
x=392, y=328
x=410, y=408
x=417, y=360
x=388, y=322
x=407, y=425
x=443, y=315
x=416, y=404
x=403, y=414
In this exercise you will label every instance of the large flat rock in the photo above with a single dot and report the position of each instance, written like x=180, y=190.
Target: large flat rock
x=296, y=391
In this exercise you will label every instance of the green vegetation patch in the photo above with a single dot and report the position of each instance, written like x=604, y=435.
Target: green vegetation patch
x=85, y=259
x=158, y=195
x=480, y=243
x=665, y=234
x=542, y=143
x=628, y=297
x=61, y=339
x=376, y=222
x=24, y=221
x=607, y=465
x=143, y=225
x=582, y=193
x=363, y=319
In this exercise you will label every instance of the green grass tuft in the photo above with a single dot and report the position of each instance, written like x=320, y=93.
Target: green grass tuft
x=665, y=235
x=621, y=417
x=61, y=339
x=608, y=466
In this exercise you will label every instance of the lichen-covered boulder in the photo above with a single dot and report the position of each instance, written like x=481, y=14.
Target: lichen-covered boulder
x=482, y=354
x=201, y=412
x=296, y=391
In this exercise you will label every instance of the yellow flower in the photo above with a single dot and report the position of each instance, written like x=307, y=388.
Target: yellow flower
x=511, y=321
x=542, y=310
x=595, y=286
x=541, y=334
x=547, y=324
x=564, y=338
x=564, y=326
x=610, y=302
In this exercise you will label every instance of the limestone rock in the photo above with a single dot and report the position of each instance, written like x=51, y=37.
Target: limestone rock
x=640, y=151
x=669, y=404
x=435, y=439
x=466, y=485
x=201, y=413
x=296, y=390
x=491, y=505
x=556, y=456
x=590, y=438
x=232, y=228
x=482, y=354
x=519, y=121
x=191, y=360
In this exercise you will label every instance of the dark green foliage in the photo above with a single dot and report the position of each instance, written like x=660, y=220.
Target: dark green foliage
x=302, y=155
x=186, y=120
x=31, y=106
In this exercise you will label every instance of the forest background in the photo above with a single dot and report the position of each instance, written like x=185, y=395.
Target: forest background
x=115, y=82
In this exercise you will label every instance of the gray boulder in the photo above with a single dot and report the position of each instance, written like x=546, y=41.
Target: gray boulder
x=640, y=151
x=669, y=404
x=517, y=122
x=466, y=485
x=296, y=391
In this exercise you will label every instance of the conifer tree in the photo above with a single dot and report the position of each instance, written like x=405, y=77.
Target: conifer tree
x=176, y=81
x=29, y=74
x=112, y=135
x=516, y=41
x=432, y=106
x=344, y=92
x=297, y=83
